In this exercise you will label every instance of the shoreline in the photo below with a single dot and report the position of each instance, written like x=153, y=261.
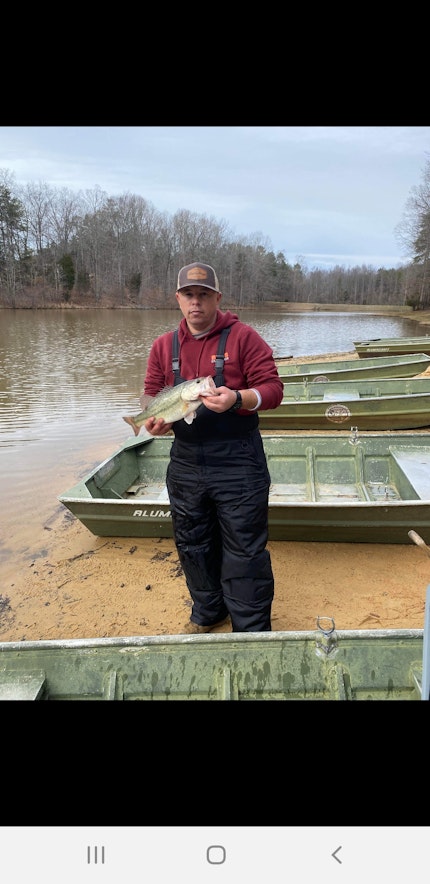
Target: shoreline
x=419, y=316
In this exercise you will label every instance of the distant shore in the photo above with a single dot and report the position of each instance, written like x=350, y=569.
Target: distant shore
x=422, y=317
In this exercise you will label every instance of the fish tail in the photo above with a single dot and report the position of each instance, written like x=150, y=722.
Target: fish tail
x=132, y=422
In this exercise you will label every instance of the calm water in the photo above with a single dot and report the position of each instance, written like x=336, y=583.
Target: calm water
x=67, y=378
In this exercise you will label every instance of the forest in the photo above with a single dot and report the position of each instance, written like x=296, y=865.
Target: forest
x=88, y=249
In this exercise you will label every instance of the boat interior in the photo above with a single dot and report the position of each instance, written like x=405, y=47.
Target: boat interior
x=352, y=469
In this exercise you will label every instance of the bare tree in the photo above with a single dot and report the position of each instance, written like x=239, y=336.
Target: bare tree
x=37, y=199
x=413, y=233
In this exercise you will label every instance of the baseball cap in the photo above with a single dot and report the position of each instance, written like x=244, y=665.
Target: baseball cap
x=198, y=274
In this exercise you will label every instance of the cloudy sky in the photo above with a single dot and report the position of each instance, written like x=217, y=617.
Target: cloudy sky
x=326, y=195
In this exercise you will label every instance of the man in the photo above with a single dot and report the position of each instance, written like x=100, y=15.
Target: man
x=217, y=477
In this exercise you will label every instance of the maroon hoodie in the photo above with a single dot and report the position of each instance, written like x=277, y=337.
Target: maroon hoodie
x=248, y=360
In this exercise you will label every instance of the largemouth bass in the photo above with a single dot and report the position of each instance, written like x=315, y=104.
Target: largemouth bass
x=173, y=403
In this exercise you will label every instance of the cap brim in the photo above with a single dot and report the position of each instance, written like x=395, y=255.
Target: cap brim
x=200, y=284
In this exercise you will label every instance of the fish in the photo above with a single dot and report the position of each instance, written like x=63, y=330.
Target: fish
x=173, y=403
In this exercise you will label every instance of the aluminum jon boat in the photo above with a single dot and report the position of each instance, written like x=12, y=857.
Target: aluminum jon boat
x=325, y=486
x=379, y=367
x=373, y=404
x=392, y=346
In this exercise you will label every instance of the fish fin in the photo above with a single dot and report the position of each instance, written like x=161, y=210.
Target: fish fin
x=129, y=420
x=146, y=400
x=190, y=417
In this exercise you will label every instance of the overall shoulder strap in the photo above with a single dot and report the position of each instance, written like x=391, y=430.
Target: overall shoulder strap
x=219, y=359
x=175, y=353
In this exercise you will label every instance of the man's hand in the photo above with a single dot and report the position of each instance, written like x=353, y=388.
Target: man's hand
x=220, y=401
x=157, y=426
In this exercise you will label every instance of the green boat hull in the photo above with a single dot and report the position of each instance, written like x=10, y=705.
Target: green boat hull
x=348, y=665
x=325, y=486
x=346, y=369
x=372, y=404
x=392, y=346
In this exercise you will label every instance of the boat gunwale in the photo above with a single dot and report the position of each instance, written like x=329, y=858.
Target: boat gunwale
x=405, y=358
x=131, y=642
x=305, y=504
x=419, y=339
x=371, y=398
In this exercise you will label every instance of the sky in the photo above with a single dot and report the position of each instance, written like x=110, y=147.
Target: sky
x=322, y=195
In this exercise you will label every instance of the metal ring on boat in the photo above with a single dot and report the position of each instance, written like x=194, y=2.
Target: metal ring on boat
x=326, y=631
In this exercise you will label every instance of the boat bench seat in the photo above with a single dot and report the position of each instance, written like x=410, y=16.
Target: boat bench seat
x=155, y=490
x=416, y=467
x=163, y=495
x=21, y=685
x=340, y=396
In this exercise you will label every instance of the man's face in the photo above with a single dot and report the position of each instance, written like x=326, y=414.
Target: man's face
x=198, y=305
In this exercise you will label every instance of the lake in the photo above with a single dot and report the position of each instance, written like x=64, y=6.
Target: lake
x=67, y=377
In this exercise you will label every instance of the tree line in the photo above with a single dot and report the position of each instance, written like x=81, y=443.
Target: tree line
x=90, y=249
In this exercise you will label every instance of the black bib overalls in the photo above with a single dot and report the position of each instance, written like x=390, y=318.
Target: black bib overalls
x=218, y=484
